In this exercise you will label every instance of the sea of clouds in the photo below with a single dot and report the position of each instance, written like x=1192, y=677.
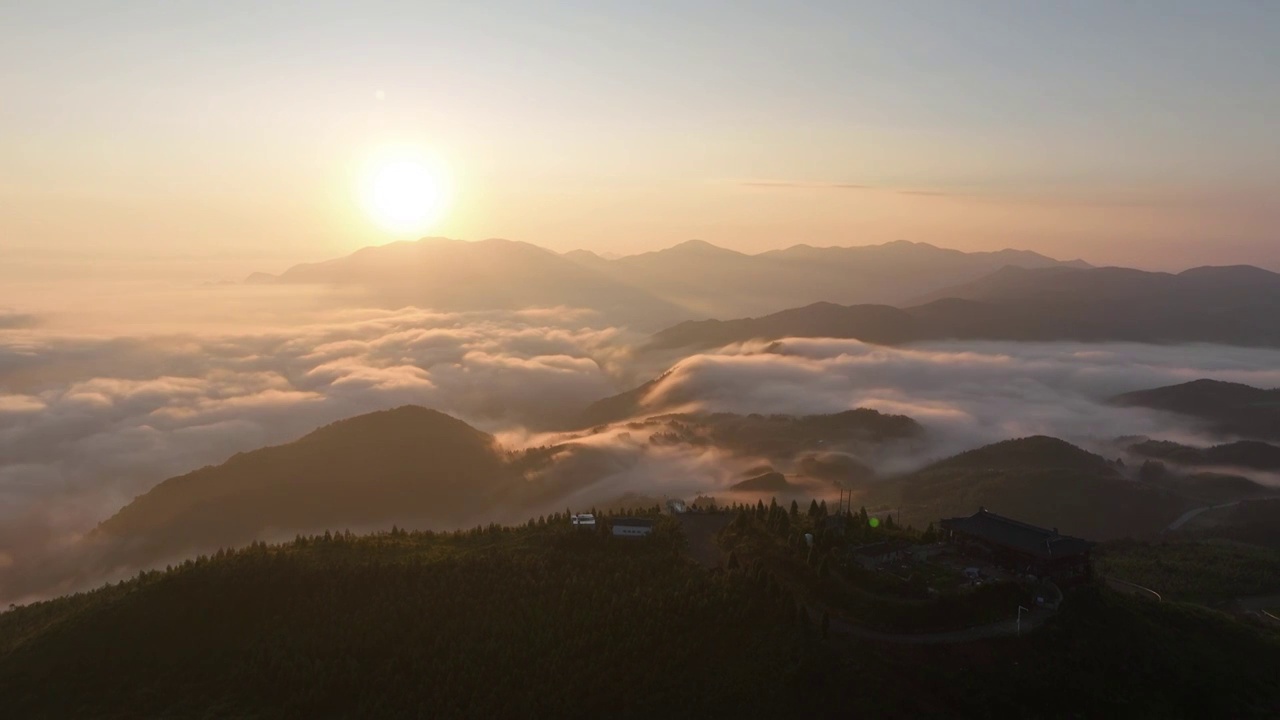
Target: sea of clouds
x=91, y=418
x=966, y=394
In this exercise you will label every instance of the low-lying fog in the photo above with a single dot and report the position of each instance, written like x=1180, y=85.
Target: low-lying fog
x=97, y=407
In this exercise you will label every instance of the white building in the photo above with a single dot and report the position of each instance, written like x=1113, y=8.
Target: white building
x=585, y=520
x=632, y=527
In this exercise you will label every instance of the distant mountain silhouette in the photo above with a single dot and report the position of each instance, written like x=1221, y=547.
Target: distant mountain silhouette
x=1251, y=454
x=651, y=290
x=879, y=324
x=1040, y=480
x=838, y=468
x=618, y=407
x=395, y=465
x=768, y=482
x=454, y=275
x=1223, y=407
x=714, y=282
x=1238, y=305
x=1230, y=305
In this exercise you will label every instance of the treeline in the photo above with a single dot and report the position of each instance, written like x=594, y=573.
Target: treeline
x=541, y=620
x=545, y=620
x=814, y=552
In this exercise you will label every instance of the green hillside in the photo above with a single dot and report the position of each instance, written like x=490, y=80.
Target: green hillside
x=1204, y=571
x=1040, y=480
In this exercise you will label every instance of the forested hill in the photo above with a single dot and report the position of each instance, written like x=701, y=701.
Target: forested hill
x=1224, y=407
x=396, y=465
x=546, y=621
x=1042, y=480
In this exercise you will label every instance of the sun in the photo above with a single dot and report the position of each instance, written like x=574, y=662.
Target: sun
x=405, y=194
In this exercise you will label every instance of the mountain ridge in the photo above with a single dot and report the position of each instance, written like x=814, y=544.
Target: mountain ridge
x=1227, y=408
x=694, y=279
x=1039, y=479
x=1237, y=305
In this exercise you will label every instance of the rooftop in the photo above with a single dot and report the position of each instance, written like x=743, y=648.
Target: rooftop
x=1015, y=535
x=633, y=522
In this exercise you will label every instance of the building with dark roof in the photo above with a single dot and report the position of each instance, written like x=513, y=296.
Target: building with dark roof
x=881, y=553
x=1021, y=547
x=631, y=526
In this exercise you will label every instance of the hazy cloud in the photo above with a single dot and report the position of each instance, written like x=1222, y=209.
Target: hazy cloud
x=11, y=320
x=965, y=394
x=86, y=423
x=808, y=185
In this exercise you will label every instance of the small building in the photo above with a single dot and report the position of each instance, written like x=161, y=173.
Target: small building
x=1020, y=547
x=676, y=507
x=834, y=525
x=923, y=553
x=585, y=520
x=632, y=527
x=881, y=553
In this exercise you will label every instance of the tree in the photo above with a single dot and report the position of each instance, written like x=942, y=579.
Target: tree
x=813, y=508
x=782, y=524
x=1153, y=471
x=795, y=510
x=930, y=534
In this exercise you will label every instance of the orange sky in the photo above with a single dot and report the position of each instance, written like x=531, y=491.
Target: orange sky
x=218, y=140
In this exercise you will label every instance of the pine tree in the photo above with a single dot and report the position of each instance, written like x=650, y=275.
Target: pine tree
x=795, y=510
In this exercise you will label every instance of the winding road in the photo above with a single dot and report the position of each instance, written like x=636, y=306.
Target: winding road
x=1189, y=515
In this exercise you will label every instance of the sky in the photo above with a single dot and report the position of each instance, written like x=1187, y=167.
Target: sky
x=210, y=139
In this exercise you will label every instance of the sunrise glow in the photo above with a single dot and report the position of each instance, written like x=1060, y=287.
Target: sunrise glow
x=405, y=194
